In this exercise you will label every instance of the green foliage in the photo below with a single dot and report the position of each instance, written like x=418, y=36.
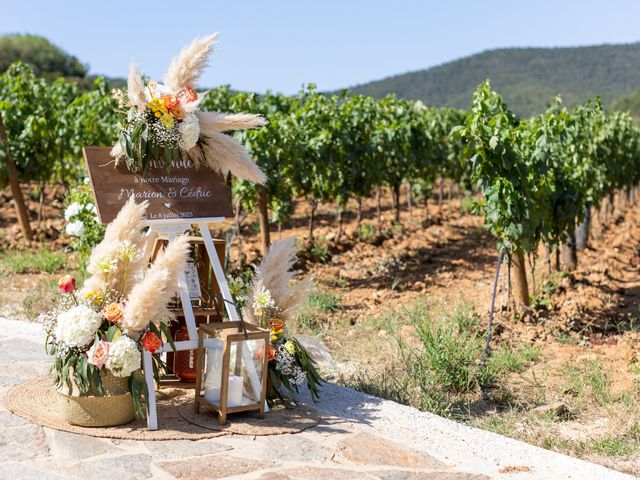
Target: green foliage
x=494, y=151
x=36, y=129
x=41, y=55
x=538, y=176
x=589, y=379
x=439, y=369
x=367, y=232
x=80, y=207
x=319, y=251
x=325, y=301
x=33, y=261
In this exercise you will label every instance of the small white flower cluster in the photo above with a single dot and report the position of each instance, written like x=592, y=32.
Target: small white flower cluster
x=77, y=327
x=76, y=227
x=76, y=208
x=286, y=363
x=262, y=301
x=107, y=264
x=165, y=136
x=124, y=357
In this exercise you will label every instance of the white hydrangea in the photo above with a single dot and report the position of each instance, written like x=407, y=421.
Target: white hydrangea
x=189, y=130
x=77, y=327
x=89, y=207
x=72, y=210
x=75, y=229
x=124, y=357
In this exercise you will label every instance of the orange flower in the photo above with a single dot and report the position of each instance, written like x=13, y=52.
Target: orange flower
x=190, y=94
x=177, y=112
x=151, y=342
x=271, y=356
x=170, y=101
x=276, y=325
x=67, y=284
x=113, y=312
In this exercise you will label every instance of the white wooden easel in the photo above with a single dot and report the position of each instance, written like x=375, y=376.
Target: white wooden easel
x=173, y=228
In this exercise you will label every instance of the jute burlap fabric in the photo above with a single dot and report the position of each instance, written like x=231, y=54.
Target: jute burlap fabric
x=36, y=401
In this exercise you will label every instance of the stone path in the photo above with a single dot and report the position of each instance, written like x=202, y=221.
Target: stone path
x=368, y=438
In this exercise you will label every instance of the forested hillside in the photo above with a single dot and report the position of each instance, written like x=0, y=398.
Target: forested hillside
x=528, y=78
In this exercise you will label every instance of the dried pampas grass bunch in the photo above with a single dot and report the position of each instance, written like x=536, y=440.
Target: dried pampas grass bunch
x=147, y=301
x=275, y=274
x=200, y=135
x=117, y=260
x=119, y=271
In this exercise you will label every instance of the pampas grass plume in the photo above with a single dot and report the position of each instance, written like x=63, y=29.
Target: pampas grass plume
x=148, y=299
x=135, y=88
x=276, y=274
x=185, y=69
x=211, y=122
x=127, y=225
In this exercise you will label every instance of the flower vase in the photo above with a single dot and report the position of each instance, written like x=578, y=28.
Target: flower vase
x=113, y=407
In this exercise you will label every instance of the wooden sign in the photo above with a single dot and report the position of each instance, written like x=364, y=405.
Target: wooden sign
x=181, y=192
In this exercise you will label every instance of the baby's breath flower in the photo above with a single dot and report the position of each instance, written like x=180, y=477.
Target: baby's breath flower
x=163, y=136
x=286, y=364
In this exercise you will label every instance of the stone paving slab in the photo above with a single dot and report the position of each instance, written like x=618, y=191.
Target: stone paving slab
x=359, y=439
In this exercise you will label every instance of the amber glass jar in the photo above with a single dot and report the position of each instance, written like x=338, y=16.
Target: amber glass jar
x=184, y=362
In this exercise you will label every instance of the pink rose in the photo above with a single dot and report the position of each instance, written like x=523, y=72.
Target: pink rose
x=98, y=353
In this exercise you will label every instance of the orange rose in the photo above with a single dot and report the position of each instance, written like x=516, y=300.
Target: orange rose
x=178, y=112
x=276, y=325
x=190, y=94
x=67, y=284
x=113, y=312
x=151, y=342
x=170, y=101
x=271, y=355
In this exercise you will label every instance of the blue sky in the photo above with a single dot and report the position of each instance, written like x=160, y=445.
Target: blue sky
x=281, y=44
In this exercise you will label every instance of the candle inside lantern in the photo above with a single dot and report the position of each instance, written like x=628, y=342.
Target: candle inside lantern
x=213, y=376
x=234, y=397
x=234, y=393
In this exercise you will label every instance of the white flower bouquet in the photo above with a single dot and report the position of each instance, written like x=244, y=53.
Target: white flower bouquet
x=161, y=123
x=273, y=301
x=120, y=311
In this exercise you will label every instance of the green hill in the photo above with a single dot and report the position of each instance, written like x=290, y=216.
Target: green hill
x=528, y=78
x=630, y=102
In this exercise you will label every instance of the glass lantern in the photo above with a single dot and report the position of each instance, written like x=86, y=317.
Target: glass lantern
x=232, y=368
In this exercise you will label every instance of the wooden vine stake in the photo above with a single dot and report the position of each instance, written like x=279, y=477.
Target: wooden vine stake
x=16, y=190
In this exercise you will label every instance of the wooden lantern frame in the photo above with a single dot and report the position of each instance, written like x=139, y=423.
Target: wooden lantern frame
x=243, y=331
